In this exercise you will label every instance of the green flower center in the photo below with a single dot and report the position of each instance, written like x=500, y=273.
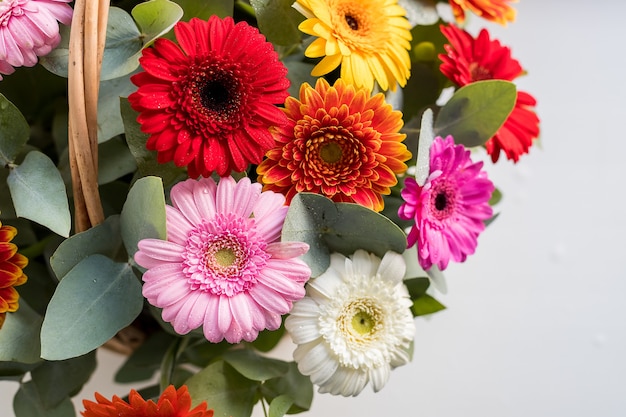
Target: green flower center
x=362, y=322
x=225, y=257
x=330, y=152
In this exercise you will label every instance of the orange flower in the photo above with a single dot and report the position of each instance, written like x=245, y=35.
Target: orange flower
x=11, y=274
x=339, y=142
x=494, y=10
x=171, y=403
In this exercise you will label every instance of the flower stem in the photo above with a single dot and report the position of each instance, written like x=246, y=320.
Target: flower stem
x=168, y=365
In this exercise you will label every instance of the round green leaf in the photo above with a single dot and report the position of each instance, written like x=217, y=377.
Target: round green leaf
x=14, y=131
x=143, y=215
x=226, y=391
x=280, y=405
x=114, y=160
x=104, y=239
x=156, y=18
x=27, y=403
x=254, y=366
x=476, y=111
x=19, y=338
x=269, y=12
x=338, y=227
x=95, y=300
x=110, y=122
x=38, y=193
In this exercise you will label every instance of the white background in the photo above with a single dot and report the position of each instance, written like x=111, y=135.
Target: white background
x=535, y=324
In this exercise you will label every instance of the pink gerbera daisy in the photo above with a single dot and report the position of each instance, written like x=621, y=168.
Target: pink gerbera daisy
x=208, y=103
x=29, y=29
x=223, y=266
x=450, y=208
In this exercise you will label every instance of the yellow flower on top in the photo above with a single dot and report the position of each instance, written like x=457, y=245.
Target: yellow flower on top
x=370, y=39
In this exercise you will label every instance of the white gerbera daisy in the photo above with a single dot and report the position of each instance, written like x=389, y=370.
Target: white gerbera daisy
x=355, y=323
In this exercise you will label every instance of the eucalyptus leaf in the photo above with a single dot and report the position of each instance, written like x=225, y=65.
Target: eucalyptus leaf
x=338, y=227
x=38, y=193
x=417, y=286
x=298, y=73
x=57, y=380
x=146, y=360
x=104, y=239
x=110, y=122
x=14, y=131
x=268, y=339
x=203, y=9
x=19, y=338
x=269, y=12
x=95, y=300
x=114, y=161
x=15, y=371
x=426, y=304
x=254, y=366
x=280, y=405
x=226, y=391
x=294, y=385
x=143, y=215
x=27, y=403
x=476, y=111
x=121, y=51
x=156, y=18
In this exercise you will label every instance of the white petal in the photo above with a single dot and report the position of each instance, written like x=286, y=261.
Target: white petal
x=392, y=267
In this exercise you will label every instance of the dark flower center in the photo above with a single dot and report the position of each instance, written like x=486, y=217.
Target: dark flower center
x=330, y=152
x=352, y=22
x=443, y=200
x=214, y=95
x=479, y=73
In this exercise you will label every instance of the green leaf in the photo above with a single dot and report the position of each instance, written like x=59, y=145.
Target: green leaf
x=270, y=12
x=156, y=18
x=476, y=112
x=496, y=196
x=280, y=405
x=14, y=131
x=203, y=9
x=226, y=391
x=27, y=403
x=417, y=286
x=104, y=239
x=114, y=161
x=338, y=227
x=58, y=380
x=294, y=385
x=110, y=122
x=143, y=215
x=254, y=366
x=146, y=360
x=426, y=304
x=147, y=164
x=39, y=194
x=15, y=371
x=95, y=300
x=19, y=338
x=121, y=51
x=40, y=286
x=268, y=339
x=298, y=73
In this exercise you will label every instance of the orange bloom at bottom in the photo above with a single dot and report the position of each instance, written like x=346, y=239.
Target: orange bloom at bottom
x=11, y=274
x=171, y=403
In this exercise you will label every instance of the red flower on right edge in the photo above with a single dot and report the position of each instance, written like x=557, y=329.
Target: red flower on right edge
x=471, y=59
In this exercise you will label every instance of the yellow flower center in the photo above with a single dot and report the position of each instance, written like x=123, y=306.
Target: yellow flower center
x=360, y=320
x=225, y=257
x=330, y=152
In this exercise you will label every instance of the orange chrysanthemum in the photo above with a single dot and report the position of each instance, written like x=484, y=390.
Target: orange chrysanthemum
x=338, y=142
x=171, y=403
x=498, y=11
x=11, y=272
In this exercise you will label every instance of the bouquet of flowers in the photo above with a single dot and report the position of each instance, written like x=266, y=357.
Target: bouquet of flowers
x=194, y=181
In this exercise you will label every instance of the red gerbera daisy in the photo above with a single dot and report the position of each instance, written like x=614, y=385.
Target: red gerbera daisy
x=338, y=142
x=172, y=403
x=209, y=101
x=471, y=59
x=11, y=274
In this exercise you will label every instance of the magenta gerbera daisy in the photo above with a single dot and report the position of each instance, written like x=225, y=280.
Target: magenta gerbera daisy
x=450, y=208
x=29, y=29
x=208, y=102
x=223, y=266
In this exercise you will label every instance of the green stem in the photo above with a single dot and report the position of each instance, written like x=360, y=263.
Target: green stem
x=245, y=8
x=36, y=249
x=264, y=407
x=169, y=361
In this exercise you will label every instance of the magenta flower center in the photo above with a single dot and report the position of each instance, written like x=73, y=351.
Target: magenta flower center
x=443, y=200
x=224, y=255
x=212, y=96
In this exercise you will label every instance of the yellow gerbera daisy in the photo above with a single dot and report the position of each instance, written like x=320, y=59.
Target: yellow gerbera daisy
x=370, y=39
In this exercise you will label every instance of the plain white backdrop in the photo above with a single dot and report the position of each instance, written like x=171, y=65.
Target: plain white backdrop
x=536, y=320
